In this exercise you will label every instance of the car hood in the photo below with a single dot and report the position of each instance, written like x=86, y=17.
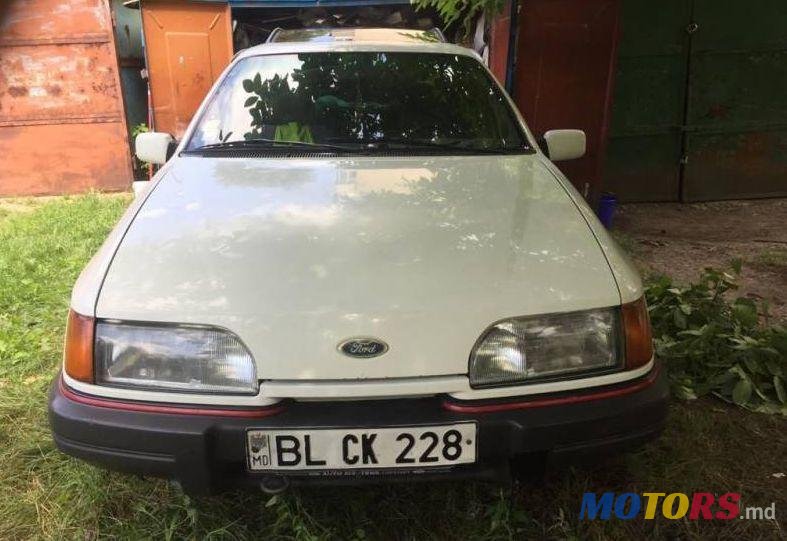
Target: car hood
x=297, y=255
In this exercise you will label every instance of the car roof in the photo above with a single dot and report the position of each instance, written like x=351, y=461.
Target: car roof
x=355, y=39
x=356, y=34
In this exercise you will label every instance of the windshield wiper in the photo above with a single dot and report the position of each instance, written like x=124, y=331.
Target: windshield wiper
x=354, y=146
x=460, y=145
x=272, y=143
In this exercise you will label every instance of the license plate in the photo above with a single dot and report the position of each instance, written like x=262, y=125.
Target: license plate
x=415, y=447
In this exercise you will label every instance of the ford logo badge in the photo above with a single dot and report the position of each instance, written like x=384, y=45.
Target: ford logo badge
x=363, y=348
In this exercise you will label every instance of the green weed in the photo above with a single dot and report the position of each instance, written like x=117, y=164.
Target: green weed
x=774, y=258
x=715, y=345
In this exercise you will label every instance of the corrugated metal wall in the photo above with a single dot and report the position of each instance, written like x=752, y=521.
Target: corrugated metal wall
x=700, y=107
x=62, y=127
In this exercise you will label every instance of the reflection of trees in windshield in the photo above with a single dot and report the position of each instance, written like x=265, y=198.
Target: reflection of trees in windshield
x=376, y=97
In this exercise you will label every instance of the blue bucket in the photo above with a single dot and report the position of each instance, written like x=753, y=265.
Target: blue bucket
x=606, y=209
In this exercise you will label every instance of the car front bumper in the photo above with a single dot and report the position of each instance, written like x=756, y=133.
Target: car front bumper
x=205, y=450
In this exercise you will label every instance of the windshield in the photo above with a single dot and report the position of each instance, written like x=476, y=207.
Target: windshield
x=359, y=100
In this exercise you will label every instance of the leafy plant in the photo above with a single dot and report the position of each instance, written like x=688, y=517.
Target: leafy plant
x=349, y=97
x=715, y=345
x=139, y=128
x=463, y=11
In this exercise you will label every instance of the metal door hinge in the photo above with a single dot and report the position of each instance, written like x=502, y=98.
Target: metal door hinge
x=692, y=27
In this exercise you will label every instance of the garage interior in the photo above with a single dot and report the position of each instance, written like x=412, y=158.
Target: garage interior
x=252, y=25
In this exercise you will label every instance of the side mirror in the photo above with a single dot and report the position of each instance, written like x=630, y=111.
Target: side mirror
x=154, y=147
x=140, y=187
x=562, y=145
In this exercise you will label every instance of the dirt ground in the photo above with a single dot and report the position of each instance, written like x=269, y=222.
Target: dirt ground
x=681, y=239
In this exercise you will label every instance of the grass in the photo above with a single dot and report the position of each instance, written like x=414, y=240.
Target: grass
x=774, y=258
x=708, y=446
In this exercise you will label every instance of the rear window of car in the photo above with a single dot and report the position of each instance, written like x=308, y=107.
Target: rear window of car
x=361, y=100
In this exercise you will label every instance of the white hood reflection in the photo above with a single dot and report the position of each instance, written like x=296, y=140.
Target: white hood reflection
x=295, y=256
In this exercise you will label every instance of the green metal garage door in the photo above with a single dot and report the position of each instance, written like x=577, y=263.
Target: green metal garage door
x=700, y=107
x=736, y=139
x=645, y=145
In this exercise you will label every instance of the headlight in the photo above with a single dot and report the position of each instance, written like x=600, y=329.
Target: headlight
x=173, y=358
x=518, y=350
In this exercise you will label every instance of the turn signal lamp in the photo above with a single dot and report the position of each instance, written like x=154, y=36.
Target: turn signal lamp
x=79, y=347
x=639, y=338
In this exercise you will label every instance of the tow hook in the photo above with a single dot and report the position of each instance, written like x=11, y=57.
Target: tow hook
x=274, y=484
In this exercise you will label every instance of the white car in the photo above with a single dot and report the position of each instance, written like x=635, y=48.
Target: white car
x=357, y=264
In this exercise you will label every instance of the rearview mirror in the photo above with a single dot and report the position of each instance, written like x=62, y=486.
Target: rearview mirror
x=562, y=145
x=154, y=147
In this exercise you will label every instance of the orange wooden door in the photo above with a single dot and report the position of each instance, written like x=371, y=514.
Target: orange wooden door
x=187, y=45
